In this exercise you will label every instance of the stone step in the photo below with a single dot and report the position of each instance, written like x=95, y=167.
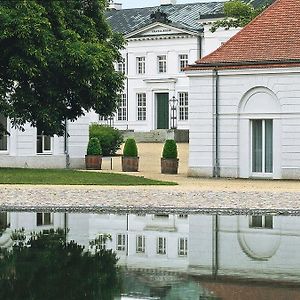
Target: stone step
x=158, y=135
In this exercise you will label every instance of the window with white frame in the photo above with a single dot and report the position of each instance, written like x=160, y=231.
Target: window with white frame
x=182, y=246
x=141, y=65
x=162, y=63
x=122, y=110
x=43, y=143
x=122, y=66
x=183, y=61
x=141, y=107
x=44, y=219
x=121, y=242
x=265, y=221
x=183, y=106
x=140, y=244
x=3, y=133
x=161, y=245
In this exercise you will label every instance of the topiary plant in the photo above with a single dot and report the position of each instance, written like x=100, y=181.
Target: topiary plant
x=130, y=148
x=94, y=147
x=110, y=138
x=170, y=149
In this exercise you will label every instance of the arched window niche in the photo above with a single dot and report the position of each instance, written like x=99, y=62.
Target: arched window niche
x=259, y=134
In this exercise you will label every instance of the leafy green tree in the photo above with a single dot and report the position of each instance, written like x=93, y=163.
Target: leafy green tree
x=237, y=14
x=46, y=266
x=56, y=62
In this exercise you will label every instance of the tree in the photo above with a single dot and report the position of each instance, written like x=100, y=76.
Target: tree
x=56, y=62
x=48, y=267
x=237, y=14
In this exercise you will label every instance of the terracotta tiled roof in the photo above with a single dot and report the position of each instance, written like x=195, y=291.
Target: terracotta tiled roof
x=273, y=39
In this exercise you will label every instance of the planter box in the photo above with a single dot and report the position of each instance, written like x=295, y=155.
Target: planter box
x=130, y=164
x=169, y=165
x=93, y=162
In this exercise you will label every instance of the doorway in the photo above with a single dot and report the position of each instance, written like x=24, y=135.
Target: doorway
x=162, y=111
x=262, y=146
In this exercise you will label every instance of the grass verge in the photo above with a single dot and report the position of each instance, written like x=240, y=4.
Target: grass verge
x=71, y=177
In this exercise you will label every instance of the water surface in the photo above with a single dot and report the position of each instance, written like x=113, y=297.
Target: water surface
x=48, y=255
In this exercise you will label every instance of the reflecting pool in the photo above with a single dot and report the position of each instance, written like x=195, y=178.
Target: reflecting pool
x=49, y=255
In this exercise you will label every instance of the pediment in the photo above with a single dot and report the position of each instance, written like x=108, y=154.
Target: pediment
x=158, y=29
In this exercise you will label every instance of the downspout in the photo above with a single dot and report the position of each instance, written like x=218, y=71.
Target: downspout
x=216, y=171
x=66, y=146
x=127, y=90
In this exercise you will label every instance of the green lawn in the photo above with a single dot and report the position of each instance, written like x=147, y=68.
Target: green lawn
x=71, y=177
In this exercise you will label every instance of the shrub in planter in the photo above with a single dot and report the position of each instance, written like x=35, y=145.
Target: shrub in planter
x=110, y=138
x=169, y=160
x=130, y=159
x=93, y=158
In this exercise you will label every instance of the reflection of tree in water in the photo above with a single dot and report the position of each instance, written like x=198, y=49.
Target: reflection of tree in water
x=3, y=222
x=47, y=267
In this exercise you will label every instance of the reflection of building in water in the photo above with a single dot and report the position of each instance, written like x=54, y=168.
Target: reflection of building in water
x=261, y=247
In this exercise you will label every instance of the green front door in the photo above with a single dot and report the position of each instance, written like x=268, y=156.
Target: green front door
x=162, y=111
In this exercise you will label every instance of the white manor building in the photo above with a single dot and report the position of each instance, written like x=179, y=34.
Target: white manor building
x=161, y=41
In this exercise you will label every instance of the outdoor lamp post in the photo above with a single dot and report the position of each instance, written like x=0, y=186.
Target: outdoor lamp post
x=173, y=104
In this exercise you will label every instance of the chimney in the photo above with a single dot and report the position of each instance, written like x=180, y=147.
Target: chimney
x=167, y=2
x=112, y=5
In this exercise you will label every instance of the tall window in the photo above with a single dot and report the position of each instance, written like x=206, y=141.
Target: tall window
x=141, y=65
x=182, y=246
x=262, y=146
x=121, y=242
x=122, y=110
x=43, y=143
x=141, y=107
x=161, y=245
x=162, y=63
x=261, y=222
x=3, y=135
x=140, y=244
x=43, y=219
x=122, y=66
x=183, y=61
x=183, y=106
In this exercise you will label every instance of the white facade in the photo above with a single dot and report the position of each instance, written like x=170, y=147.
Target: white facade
x=267, y=98
x=145, y=80
x=30, y=149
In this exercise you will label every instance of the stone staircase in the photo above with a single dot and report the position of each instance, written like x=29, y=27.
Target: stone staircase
x=158, y=135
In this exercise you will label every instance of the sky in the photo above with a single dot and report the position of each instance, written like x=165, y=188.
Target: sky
x=145, y=3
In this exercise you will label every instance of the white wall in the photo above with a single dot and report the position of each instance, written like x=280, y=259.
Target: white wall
x=22, y=150
x=235, y=88
x=152, y=82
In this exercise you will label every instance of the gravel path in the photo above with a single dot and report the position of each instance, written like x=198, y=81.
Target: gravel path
x=199, y=195
x=153, y=199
